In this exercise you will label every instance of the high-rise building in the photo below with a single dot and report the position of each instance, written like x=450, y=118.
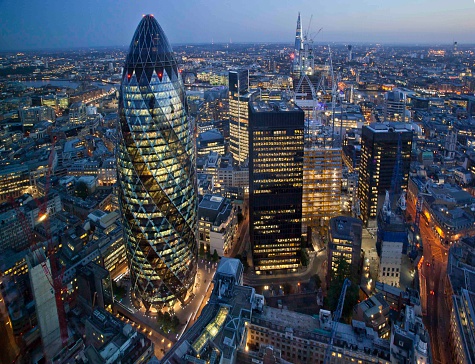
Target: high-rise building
x=395, y=102
x=379, y=149
x=322, y=177
x=45, y=303
x=33, y=115
x=238, y=114
x=276, y=133
x=297, y=48
x=156, y=174
x=344, y=242
x=77, y=114
x=391, y=242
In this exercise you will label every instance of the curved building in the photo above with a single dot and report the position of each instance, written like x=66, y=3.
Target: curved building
x=156, y=175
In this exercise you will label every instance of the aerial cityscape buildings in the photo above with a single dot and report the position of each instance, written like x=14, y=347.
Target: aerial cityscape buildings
x=228, y=202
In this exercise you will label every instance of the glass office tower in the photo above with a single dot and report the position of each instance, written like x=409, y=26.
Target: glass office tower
x=379, y=151
x=276, y=150
x=156, y=175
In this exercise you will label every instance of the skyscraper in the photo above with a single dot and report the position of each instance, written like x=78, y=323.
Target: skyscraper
x=379, y=150
x=156, y=173
x=297, y=48
x=276, y=139
x=322, y=175
x=238, y=114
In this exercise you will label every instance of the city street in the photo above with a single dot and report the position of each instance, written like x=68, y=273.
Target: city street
x=433, y=271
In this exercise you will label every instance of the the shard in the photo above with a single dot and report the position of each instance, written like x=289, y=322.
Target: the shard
x=156, y=176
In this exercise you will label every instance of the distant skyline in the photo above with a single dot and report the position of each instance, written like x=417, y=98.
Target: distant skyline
x=34, y=24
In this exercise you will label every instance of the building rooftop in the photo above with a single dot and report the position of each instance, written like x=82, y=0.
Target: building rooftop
x=214, y=208
x=390, y=127
x=273, y=106
x=219, y=329
x=346, y=228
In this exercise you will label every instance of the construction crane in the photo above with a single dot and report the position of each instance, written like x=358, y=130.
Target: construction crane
x=53, y=274
x=56, y=273
x=336, y=318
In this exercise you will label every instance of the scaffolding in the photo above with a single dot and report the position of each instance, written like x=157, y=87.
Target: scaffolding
x=322, y=174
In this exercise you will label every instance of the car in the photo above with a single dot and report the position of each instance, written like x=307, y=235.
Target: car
x=428, y=264
x=432, y=292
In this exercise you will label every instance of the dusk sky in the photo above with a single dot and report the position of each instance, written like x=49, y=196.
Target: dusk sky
x=33, y=24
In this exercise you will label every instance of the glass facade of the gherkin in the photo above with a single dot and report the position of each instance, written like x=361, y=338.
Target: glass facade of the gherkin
x=156, y=176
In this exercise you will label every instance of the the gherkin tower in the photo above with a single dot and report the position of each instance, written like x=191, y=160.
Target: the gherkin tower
x=156, y=176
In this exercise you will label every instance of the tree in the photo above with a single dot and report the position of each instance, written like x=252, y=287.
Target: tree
x=288, y=288
x=175, y=323
x=316, y=281
x=240, y=217
x=81, y=190
x=118, y=291
x=202, y=250
x=343, y=270
x=215, y=256
x=168, y=322
x=304, y=257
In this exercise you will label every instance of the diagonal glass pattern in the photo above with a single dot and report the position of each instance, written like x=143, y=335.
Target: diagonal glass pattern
x=156, y=176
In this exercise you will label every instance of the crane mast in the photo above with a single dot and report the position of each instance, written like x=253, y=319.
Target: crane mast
x=336, y=318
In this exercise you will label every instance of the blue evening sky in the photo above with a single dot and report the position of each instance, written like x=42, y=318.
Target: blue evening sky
x=35, y=24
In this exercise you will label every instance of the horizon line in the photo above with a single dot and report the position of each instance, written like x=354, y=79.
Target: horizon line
x=420, y=44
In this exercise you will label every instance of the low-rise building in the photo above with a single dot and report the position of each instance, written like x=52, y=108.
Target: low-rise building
x=237, y=327
x=14, y=181
x=221, y=329
x=304, y=339
x=374, y=312
x=391, y=243
x=216, y=224
x=460, y=298
x=447, y=208
x=410, y=342
x=210, y=141
x=109, y=340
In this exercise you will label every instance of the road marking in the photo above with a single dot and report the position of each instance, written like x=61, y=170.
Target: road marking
x=436, y=253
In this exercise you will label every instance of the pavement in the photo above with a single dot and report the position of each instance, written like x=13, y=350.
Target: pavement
x=368, y=245
x=147, y=322
x=317, y=265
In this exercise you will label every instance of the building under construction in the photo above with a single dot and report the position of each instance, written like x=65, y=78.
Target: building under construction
x=46, y=308
x=322, y=174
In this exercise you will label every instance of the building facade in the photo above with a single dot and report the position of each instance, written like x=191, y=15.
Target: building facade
x=239, y=114
x=217, y=224
x=379, y=150
x=156, y=174
x=322, y=175
x=14, y=181
x=344, y=242
x=275, y=191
